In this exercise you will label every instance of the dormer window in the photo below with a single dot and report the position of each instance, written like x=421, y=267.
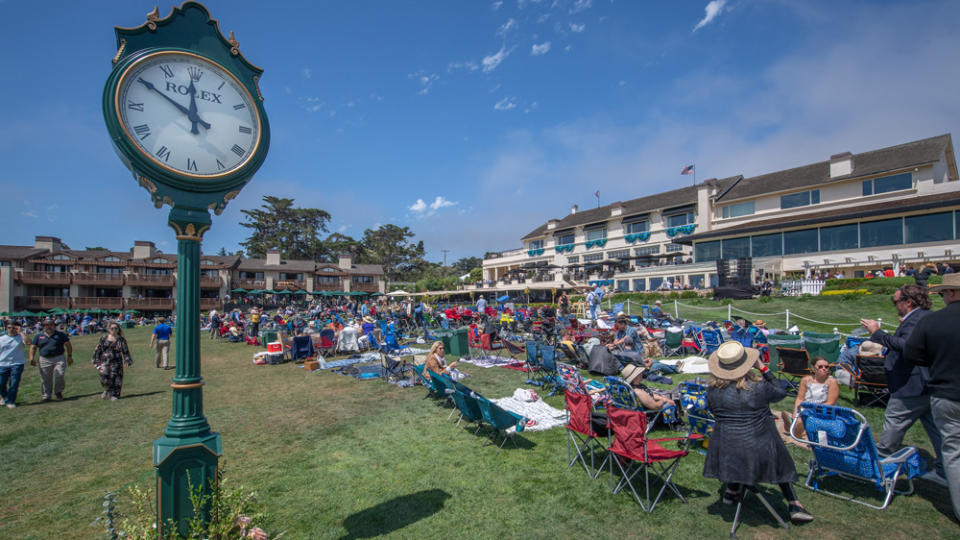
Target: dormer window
x=158, y=260
x=112, y=258
x=60, y=258
x=207, y=262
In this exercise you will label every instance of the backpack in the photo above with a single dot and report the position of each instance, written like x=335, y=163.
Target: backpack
x=603, y=362
x=592, y=299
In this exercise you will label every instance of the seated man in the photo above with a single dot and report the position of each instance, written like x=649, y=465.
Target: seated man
x=634, y=376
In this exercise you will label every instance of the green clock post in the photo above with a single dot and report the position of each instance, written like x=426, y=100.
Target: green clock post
x=185, y=114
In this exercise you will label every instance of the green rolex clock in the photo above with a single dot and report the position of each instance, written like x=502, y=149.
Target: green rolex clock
x=185, y=115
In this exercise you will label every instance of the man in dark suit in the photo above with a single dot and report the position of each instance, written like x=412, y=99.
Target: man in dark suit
x=906, y=381
x=935, y=342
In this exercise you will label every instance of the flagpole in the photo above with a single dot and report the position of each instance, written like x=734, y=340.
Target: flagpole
x=694, y=174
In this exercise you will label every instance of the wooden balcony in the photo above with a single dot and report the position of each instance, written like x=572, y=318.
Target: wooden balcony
x=143, y=280
x=365, y=287
x=209, y=282
x=320, y=286
x=290, y=285
x=42, y=303
x=248, y=284
x=209, y=303
x=102, y=302
x=29, y=277
x=102, y=280
x=150, y=303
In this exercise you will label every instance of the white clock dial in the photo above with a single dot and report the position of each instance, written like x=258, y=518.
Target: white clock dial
x=188, y=114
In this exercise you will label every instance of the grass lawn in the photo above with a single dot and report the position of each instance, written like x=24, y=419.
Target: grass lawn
x=334, y=457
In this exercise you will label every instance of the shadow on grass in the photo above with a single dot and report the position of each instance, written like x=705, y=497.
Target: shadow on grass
x=754, y=513
x=394, y=514
x=67, y=398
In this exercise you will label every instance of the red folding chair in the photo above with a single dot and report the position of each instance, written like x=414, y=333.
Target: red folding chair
x=635, y=453
x=582, y=434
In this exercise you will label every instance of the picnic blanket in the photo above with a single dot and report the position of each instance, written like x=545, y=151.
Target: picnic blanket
x=690, y=364
x=542, y=416
x=354, y=359
x=489, y=361
x=363, y=372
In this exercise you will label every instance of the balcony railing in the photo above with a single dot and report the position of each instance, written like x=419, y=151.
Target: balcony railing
x=92, y=278
x=207, y=282
x=86, y=302
x=290, y=284
x=150, y=280
x=322, y=286
x=209, y=303
x=365, y=287
x=29, y=277
x=42, y=302
x=249, y=284
x=149, y=303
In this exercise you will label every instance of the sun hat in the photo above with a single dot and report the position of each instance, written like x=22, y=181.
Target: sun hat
x=367, y=319
x=631, y=372
x=758, y=322
x=870, y=348
x=950, y=281
x=732, y=360
x=658, y=302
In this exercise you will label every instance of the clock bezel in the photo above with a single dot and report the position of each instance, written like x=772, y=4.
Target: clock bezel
x=143, y=164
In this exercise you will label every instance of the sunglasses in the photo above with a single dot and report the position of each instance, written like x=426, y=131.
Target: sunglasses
x=822, y=367
x=897, y=300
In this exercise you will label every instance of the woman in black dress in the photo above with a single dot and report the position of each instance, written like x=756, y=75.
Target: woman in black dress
x=110, y=355
x=746, y=448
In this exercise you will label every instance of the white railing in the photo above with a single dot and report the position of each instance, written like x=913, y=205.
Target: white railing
x=802, y=286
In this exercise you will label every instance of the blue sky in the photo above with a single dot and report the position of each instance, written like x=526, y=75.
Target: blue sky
x=474, y=122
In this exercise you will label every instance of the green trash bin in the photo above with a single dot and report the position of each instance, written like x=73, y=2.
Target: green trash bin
x=128, y=324
x=446, y=336
x=460, y=345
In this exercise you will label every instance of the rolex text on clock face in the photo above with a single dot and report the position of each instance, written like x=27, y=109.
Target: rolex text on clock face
x=188, y=114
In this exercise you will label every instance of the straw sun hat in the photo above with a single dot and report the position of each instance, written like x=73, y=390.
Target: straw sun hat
x=732, y=360
x=950, y=281
x=631, y=372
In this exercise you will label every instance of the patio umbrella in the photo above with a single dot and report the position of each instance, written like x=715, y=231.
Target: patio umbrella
x=240, y=290
x=400, y=292
x=376, y=294
x=96, y=310
x=56, y=310
x=42, y=314
x=132, y=311
x=270, y=291
x=357, y=293
x=284, y=292
x=256, y=291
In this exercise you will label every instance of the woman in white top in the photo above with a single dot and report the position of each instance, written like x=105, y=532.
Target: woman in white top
x=819, y=388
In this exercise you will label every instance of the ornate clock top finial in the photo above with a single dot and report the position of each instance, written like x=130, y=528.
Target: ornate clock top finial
x=234, y=44
x=152, y=18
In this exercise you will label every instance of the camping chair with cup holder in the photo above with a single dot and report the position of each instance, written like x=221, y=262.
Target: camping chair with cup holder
x=533, y=365
x=504, y=423
x=621, y=394
x=444, y=386
x=711, y=340
x=693, y=401
x=302, y=349
x=673, y=344
x=794, y=365
x=466, y=402
x=584, y=434
x=843, y=446
x=868, y=378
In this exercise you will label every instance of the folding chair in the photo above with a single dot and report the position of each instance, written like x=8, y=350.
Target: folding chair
x=791, y=341
x=693, y=400
x=632, y=448
x=533, y=365
x=570, y=351
x=501, y=420
x=843, y=446
x=621, y=394
x=741, y=334
x=302, y=349
x=327, y=340
x=469, y=408
x=548, y=363
x=512, y=348
x=741, y=497
x=446, y=389
x=711, y=340
x=673, y=344
x=392, y=367
x=824, y=345
x=582, y=434
x=868, y=377
x=432, y=389
x=794, y=365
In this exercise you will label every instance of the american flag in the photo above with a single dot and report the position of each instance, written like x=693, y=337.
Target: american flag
x=687, y=170
x=596, y=194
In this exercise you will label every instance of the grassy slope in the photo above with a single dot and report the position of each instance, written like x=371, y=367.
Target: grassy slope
x=331, y=456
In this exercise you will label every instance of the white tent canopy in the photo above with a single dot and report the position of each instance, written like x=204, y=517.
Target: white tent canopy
x=398, y=293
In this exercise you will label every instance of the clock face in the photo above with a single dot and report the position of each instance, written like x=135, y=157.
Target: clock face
x=188, y=114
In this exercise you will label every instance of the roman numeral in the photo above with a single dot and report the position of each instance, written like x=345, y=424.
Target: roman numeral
x=238, y=107
x=245, y=129
x=142, y=131
x=163, y=153
x=237, y=150
x=167, y=71
x=191, y=165
x=135, y=106
x=221, y=84
x=220, y=166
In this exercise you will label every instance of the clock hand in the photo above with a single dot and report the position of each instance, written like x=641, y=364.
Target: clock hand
x=166, y=97
x=192, y=113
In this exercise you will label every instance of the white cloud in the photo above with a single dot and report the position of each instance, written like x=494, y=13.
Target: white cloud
x=506, y=104
x=467, y=65
x=577, y=28
x=530, y=107
x=541, y=49
x=30, y=214
x=418, y=206
x=543, y=18
x=441, y=202
x=580, y=5
x=306, y=72
x=567, y=48
x=511, y=24
x=712, y=11
x=491, y=62
x=422, y=209
x=496, y=5
x=425, y=80
x=342, y=229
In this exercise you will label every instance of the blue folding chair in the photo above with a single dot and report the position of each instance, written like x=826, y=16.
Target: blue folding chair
x=548, y=363
x=843, y=446
x=533, y=365
x=501, y=420
x=469, y=408
x=711, y=340
x=693, y=400
x=621, y=394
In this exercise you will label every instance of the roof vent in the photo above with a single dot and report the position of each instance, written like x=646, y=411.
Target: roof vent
x=841, y=165
x=552, y=224
x=616, y=209
x=573, y=209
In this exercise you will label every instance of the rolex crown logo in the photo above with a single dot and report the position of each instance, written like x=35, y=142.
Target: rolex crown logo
x=195, y=73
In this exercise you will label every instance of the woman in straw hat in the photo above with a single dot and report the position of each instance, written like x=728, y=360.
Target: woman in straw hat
x=746, y=448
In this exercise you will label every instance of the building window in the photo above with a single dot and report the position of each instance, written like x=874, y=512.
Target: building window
x=108, y=270
x=328, y=280
x=593, y=257
x=362, y=279
x=838, y=237
x=706, y=251
x=805, y=241
x=60, y=258
x=887, y=232
x=648, y=250
x=696, y=281
x=734, y=248
x=328, y=269
x=111, y=258
x=205, y=262
x=619, y=254
x=673, y=248
x=573, y=260
x=158, y=271
x=745, y=208
x=928, y=228
x=887, y=184
x=804, y=198
x=596, y=233
x=623, y=285
x=766, y=245
x=637, y=227
x=655, y=283
x=677, y=220
x=640, y=284
x=158, y=260
x=535, y=244
x=956, y=228
x=564, y=238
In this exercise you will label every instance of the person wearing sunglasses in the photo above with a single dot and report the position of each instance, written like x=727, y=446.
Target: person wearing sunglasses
x=109, y=357
x=12, y=359
x=820, y=387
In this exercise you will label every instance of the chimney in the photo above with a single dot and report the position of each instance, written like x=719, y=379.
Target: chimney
x=552, y=224
x=574, y=209
x=346, y=261
x=616, y=209
x=841, y=165
x=49, y=243
x=143, y=249
x=273, y=257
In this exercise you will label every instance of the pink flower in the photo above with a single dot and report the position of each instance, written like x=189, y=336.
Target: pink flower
x=243, y=521
x=257, y=534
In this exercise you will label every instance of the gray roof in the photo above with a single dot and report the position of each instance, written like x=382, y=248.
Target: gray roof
x=902, y=156
x=660, y=201
x=286, y=265
x=367, y=269
x=15, y=253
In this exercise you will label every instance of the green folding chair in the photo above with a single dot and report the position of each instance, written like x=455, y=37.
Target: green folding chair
x=825, y=345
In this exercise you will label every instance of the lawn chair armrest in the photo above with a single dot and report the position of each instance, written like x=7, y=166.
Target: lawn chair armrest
x=849, y=368
x=860, y=432
x=900, y=456
x=667, y=439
